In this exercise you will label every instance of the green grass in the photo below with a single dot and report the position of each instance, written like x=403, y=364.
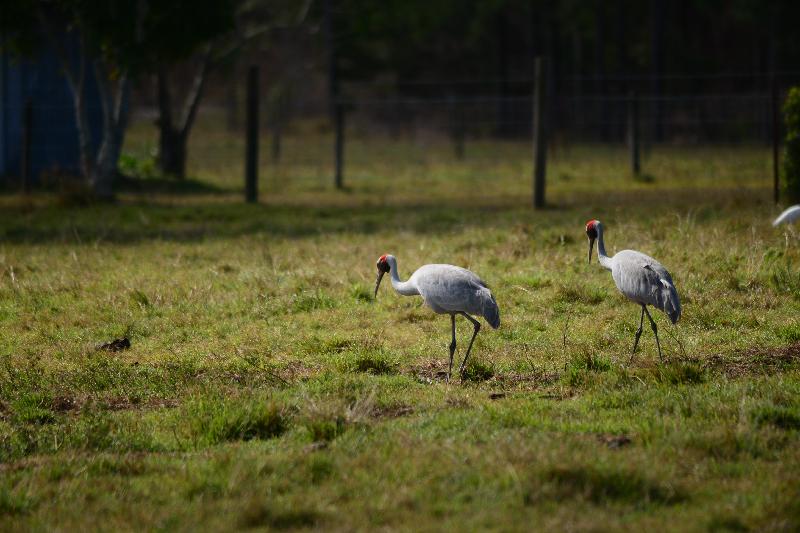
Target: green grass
x=266, y=388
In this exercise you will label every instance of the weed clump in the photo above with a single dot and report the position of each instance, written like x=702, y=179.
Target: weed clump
x=217, y=422
x=584, y=363
x=601, y=486
x=306, y=301
x=779, y=417
x=375, y=364
x=681, y=373
x=360, y=293
x=34, y=408
x=261, y=514
x=478, y=371
x=581, y=294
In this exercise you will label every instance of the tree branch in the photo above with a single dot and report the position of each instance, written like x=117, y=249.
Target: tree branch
x=164, y=98
x=195, y=93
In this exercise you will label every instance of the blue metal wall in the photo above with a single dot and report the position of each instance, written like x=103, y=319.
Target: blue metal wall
x=54, y=135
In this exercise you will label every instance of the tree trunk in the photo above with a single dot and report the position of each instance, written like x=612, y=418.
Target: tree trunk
x=173, y=138
x=172, y=152
x=115, y=113
x=99, y=171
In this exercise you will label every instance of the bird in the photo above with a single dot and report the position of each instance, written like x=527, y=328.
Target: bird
x=789, y=215
x=640, y=278
x=446, y=289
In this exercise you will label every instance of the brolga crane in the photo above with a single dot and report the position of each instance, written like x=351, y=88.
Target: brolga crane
x=446, y=289
x=639, y=277
x=788, y=216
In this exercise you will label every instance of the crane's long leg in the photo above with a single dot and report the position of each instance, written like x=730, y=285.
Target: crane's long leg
x=655, y=330
x=638, y=334
x=469, y=349
x=452, y=346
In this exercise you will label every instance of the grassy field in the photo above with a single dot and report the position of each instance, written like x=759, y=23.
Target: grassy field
x=264, y=387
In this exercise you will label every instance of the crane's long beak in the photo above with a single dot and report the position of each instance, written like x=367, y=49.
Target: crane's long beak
x=591, y=247
x=378, y=282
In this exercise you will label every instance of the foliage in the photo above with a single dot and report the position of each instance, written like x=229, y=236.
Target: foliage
x=791, y=159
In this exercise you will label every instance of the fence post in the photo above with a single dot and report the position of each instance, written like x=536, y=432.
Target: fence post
x=251, y=151
x=776, y=134
x=27, y=136
x=633, y=132
x=456, y=126
x=539, y=132
x=339, y=143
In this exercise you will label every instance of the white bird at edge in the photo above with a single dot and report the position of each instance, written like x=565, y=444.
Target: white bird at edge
x=789, y=215
x=640, y=278
x=446, y=289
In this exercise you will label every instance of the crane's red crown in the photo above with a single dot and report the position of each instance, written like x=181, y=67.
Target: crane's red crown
x=591, y=229
x=382, y=264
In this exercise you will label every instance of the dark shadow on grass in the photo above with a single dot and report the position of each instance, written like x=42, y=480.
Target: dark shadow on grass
x=170, y=186
x=215, y=215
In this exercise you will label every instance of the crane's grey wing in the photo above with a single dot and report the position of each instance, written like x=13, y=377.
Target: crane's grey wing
x=789, y=215
x=451, y=289
x=644, y=280
x=666, y=295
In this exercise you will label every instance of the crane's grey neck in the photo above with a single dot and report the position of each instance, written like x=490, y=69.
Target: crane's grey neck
x=405, y=288
x=605, y=261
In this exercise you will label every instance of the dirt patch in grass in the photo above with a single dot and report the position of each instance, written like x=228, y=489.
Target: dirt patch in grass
x=122, y=403
x=297, y=370
x=614, y=441
x=63, y=403
x=756, y=360
x=391, y=411
x=429, y=371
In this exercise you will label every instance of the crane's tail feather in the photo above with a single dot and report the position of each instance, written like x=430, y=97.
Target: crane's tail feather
x=671, y=302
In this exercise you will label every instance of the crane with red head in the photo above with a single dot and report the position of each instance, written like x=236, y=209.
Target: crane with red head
x=640, y=278
x=446, y=289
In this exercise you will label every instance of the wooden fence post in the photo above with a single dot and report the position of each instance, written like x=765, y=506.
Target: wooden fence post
x=27, y=138
x=457, y=125
x=633, y=133
x=539, y=132
x=339, y=144
x=251, y=150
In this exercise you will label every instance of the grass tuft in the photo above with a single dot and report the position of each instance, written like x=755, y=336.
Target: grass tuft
x=376, y=364
x=779, y=417
x=34, y=408
x=581, y=293
x=360, y=293
x=306, y=301
x=680, y=373
x=263, y=514
x=602, y=486
x=580, y=366
x=12, y=503
x=478, y=371
x=213, y=422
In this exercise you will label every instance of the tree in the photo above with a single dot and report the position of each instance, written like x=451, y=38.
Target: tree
x=229, y=28
x=119, y=41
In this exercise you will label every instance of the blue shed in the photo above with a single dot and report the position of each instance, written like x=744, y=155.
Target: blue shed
x=54, y=134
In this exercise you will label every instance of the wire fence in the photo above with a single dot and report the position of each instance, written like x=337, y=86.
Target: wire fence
x=386, y=131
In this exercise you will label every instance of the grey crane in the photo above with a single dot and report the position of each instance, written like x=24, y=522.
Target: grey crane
x=640, y=278
x=788, y=216
x=446, y=289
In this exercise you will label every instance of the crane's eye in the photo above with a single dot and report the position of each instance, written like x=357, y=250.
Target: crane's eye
x=591, y=232
x=383, y=266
